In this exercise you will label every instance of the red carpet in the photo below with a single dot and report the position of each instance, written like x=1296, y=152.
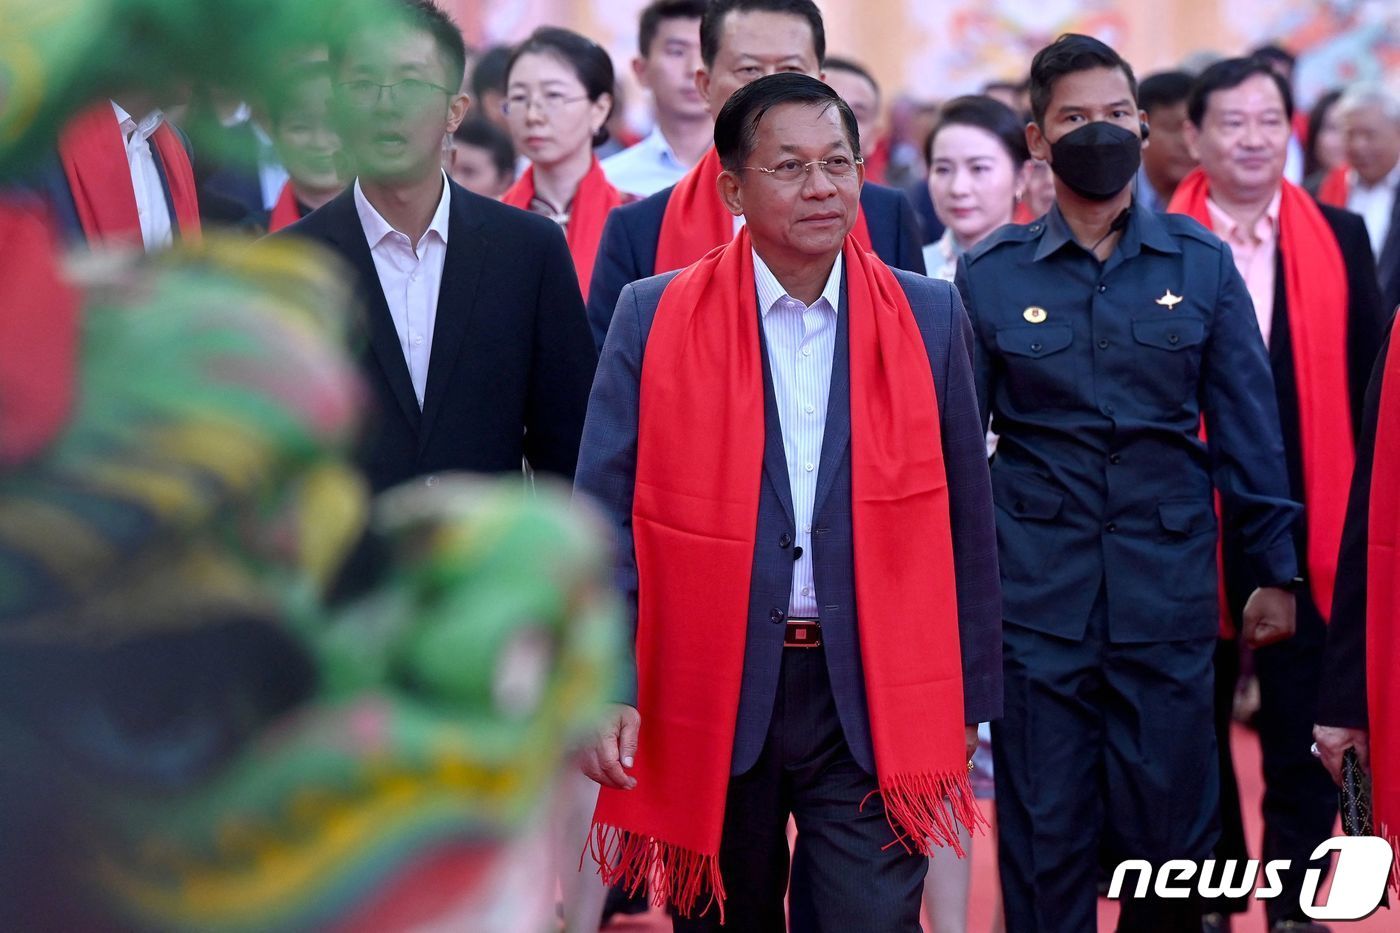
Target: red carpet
x=982, y=907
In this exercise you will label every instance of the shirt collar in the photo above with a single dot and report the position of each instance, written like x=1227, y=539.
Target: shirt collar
x=1144, y=228
x=377, y=228
x=145, y=128
x=656, y=141
x=1267, y=222
x=771, y=291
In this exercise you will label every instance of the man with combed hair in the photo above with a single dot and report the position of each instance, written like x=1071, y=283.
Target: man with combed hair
x=740, y=40
x=786, y=440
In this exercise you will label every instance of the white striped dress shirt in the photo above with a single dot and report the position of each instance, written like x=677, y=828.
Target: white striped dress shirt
x=801, y=345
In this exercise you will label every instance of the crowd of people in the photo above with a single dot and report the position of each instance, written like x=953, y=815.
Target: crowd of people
x=985, y=459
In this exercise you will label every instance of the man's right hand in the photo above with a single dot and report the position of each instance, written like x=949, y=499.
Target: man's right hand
x=613, y=748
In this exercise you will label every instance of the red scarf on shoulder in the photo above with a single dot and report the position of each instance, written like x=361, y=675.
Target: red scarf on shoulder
x=1335, y=187
x=694, y=517
x=286, y=211
x=696, y=220
x=592, y=202
x=94, y=160
x=1315, y=288
x=1383, y=611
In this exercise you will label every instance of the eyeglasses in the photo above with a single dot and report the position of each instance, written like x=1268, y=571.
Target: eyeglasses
x=552, y=102
x=837, y=167
x=409, y=92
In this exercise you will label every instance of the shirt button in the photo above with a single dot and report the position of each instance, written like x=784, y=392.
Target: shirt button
x=806, y=351
x=1110, y=528
x=430, y=481
x=1102, y=289
x=1108, y=410
x=811, y=409
x=1103, y=344
x=807, y=529
x=806, y=591
x=1115, y=459
x=417, y=341
x=809, y=468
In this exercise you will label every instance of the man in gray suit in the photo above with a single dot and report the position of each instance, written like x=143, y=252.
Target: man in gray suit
x=810, y=726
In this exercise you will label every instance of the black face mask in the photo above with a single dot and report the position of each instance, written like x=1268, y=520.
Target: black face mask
x=1097, y=160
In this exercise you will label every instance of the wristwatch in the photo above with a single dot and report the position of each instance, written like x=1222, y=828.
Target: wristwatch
x=1294, y=585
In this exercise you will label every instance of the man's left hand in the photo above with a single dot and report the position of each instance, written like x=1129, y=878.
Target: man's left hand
x=970, y=736
x=1269, y=616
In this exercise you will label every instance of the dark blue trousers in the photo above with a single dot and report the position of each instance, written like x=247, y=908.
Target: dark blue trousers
x=1103, y=745
x=846, y=875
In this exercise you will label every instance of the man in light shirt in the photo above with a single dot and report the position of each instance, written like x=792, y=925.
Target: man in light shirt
x=669, y=46
x=1371, y=124
x=478, y=350
x=1322, y=345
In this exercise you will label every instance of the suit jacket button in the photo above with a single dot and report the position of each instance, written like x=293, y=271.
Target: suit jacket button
x=785, y=541
x=777, y=616
x=1110, y=527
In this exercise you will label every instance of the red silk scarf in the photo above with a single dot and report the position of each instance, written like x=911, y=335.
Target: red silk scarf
x=286, y=211
x=1383, y=611
x=592, y=202
x=696, y=220
x=699, y=461
x=1335, y=187
x=94, y=161
x=1315, y=287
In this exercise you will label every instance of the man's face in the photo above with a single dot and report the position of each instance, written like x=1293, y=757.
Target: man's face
x=668, y=70
x=395, y=134
x=1167, y=158
x=808, y=216
x=1082, y=97
x=864, y=100
x=1372, y=142
x=753, y=45
x=1243, y=138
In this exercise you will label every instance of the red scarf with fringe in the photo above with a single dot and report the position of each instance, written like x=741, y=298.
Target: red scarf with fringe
x=286, y=211
x=93, y=153
x=696, y=220
x=592, y=202
x=1383, y=612
x=694, y=521
x=1315, y=288
x=1335, y=187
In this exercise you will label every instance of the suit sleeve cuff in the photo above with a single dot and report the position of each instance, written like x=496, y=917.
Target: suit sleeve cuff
x=1277, y=564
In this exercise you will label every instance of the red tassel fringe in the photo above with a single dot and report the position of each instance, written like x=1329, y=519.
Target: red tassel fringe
x=675, y=875
x=1392, y=837
x=924, y=810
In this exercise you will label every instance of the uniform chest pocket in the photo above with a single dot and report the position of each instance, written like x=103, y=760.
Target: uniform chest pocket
x=1038, y=340
x=1165, y=366
x=1173, y=334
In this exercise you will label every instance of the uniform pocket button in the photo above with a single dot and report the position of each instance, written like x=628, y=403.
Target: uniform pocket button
x=1173, y=339
x=1037, y=347
x=1103, y=344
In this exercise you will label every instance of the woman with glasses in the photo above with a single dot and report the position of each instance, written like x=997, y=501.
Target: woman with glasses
x=558, y=99
x=977, y=159
x=307, y=144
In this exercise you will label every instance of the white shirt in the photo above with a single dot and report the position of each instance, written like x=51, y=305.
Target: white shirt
x=1374, y=204
x=801, y=343
x=151, y=206
x=645, y=168
x=411, y=276
x=271, y=175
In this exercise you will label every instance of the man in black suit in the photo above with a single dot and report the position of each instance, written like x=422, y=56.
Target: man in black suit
x=1371, y=123
x=1240, y=115
x=478, y=352
x=741, y=40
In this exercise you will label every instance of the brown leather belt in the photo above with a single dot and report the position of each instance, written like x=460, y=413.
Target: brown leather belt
x=803, y=633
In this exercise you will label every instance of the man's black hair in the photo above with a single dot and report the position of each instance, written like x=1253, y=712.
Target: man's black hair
x=985, y=113
x=489, y=73
x=1273, y=52
x=736, y=127
x=1232, y=72
x=1068, y=54
x=835, y=63
x=428, y=16
x=483, y=134
x=657, y=12
x=584, y=57
x=1164, y=89
x=712, y=23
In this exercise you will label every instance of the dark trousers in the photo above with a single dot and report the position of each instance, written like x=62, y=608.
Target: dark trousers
x=1300, y=800
x=1101, y=743
x=846, y=875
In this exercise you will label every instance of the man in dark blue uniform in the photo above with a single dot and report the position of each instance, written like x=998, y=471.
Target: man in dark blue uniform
x=1104, y=335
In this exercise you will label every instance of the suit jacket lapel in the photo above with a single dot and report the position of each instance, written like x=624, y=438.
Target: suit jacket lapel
x=1388, y=262
x=774, y=455
x=347, y=233
x=837, y=435
x=461, y=274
